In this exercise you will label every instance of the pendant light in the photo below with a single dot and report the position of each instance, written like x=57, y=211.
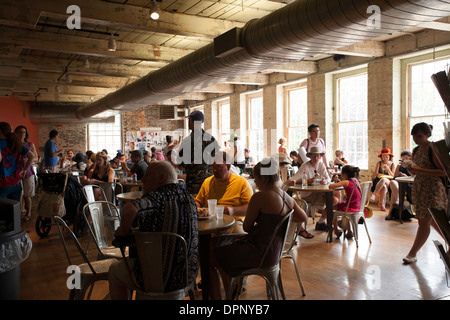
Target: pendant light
x=112, y=44
x=154, y=11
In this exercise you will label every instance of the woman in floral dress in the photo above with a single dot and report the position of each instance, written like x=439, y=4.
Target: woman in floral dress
x=428, y=188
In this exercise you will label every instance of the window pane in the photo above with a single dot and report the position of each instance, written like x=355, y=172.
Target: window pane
x=352, y=119
x=298, y=120
x=256, y=134
x=426, y=104
x=105, y=136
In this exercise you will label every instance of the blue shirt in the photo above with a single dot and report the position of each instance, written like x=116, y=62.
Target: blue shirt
x=50, y=161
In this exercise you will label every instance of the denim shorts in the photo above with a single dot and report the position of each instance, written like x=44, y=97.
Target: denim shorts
x=12, y=193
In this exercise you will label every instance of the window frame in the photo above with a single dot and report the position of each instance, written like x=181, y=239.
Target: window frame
x=90, y=133
x=336, y=83
x=303, y=85
x=406, y=65
x=249, y=97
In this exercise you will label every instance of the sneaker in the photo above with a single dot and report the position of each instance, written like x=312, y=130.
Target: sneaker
x=321, y=226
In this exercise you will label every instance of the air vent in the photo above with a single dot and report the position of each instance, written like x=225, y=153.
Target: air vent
x=168, y=112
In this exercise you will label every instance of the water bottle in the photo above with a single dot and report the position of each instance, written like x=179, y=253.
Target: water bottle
x=134, y=177
x=304, y=180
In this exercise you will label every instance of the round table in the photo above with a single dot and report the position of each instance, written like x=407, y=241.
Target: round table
x=322, y=188
x=129, y=196
x=206, y=227
x=402, y=188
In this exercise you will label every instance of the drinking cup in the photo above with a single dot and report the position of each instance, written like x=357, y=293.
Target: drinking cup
x=212, y=203
x=219, y=212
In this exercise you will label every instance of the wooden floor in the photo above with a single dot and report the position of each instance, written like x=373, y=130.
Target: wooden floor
x=330, y=271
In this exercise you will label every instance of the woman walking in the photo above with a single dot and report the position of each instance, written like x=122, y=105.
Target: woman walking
x=428, y=188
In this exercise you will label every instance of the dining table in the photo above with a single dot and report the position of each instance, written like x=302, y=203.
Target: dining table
x=317, y=187
x=206, y=228
x=403, y=183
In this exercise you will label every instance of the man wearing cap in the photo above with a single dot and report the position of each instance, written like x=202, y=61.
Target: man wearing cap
x=239, y=153
x=139, y=166
x=314, y=169
x=196, y=153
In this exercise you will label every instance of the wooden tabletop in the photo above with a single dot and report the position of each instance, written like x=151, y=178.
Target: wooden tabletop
x=213, y=225
x=408, y=179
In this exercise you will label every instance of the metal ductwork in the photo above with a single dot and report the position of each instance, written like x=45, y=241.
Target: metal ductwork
x=301, y=29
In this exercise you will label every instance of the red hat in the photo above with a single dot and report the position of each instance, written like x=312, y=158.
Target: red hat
x=385, y=151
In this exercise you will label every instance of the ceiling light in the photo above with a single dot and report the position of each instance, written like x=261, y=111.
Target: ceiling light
x=86, y=62
x=68, y=78
x=112, y=44
x=154, y=11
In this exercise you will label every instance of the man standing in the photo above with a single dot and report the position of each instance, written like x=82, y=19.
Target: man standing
x=314, y=140
x=165, y=206
x=51, y=152
x=196, y=153
x=238, y=152
x=139, y=166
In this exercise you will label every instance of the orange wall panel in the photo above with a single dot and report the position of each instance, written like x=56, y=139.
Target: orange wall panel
x=18, y=113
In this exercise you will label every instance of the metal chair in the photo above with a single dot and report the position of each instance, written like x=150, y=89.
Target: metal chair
x=150, y=251
x=98, y=222
x=354, y=217
x=88, y=192
x=272, y=273
x=288, y=252
x=89, y=272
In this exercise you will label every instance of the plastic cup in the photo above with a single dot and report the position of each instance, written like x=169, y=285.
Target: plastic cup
x=212, y=203
x=219, y=212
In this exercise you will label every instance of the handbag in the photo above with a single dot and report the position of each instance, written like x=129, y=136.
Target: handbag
x=368, y=212
x=385, y=176
x=52, y=204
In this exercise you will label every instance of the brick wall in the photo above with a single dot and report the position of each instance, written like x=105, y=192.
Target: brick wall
x=71, y=136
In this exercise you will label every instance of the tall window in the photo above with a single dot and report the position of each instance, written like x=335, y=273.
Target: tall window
x=298, y=116
x=425, y=103
x=224, y=120
x=105, y=136
x=256, y=132
x=352, y=119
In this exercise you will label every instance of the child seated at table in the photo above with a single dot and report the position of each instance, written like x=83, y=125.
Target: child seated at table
x=349, y=182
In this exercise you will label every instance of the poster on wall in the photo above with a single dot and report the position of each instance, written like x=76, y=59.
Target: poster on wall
x=146, y=138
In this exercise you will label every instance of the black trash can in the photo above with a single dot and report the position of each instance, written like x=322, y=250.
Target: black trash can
x=15, y=246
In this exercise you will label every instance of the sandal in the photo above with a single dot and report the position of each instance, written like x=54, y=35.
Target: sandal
x=305, y=234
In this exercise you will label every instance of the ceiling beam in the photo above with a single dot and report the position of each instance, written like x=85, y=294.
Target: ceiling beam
x=64, y=43
x=302, y=67
x=370, y=49
x=114, y=15
x=13, y=66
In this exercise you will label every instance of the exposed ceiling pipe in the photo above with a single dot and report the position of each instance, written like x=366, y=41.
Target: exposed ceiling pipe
x=301, y=29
